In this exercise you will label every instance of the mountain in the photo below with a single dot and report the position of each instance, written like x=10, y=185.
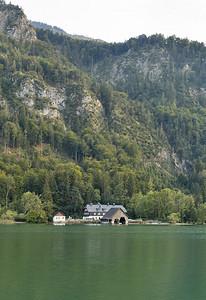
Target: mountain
x=83, y=121
x=14, y=23
x=45, y=26
x=167, y=76
x=56, y=29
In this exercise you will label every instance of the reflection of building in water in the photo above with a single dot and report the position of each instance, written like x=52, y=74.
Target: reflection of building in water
x=113, y=214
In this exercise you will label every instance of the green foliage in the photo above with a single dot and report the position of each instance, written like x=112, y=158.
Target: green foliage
x=201, y=214
x=36, y=216
x=166, y=204
x=173, y=92
x=9, y=215
x=32, y=207
x=95, y=196
x=148, y=150
x=174, y=218
x=30, y=201
x=47, y=199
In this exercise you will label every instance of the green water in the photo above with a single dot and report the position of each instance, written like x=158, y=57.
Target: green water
x=102, y=262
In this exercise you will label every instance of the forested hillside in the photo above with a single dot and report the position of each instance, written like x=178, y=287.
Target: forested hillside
x=83, y=121
x=56, y=29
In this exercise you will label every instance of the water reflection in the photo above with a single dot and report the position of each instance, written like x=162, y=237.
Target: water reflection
x=94, y=262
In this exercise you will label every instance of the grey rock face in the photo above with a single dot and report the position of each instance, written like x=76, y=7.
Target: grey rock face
x=14, y=24
x=53, y=99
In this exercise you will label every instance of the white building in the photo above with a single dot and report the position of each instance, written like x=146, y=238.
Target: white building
x=94, y=212
x=58, y=217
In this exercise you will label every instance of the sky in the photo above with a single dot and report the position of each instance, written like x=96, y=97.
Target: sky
x=119, y=20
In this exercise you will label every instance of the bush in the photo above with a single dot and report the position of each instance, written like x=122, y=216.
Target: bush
x=9, y=215
x=174, y=218
x=36, y=217
x=20, y=218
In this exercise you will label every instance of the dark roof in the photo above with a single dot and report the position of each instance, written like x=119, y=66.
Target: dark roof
x=110, y=213
x=103, y=208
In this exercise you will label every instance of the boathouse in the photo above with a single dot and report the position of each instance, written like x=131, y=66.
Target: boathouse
x=115, y=216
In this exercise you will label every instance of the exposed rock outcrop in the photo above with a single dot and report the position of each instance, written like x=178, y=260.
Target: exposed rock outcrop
x=146, y=64
x=45, y=99
x=14, y=23
x=51, y=101
x=92, y=108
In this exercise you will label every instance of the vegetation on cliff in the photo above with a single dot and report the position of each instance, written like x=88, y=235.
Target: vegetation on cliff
x=83, y=121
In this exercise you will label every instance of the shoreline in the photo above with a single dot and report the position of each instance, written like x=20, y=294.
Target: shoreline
x=74, y=221
x=84, y=222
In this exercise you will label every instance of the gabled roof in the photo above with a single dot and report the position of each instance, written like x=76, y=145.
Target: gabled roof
x=103, y=208
x=57, y=213
x=110, y=213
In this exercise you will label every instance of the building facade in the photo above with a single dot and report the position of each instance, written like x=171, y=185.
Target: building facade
x=115, y=216
x=58, y=217
x=95, y=212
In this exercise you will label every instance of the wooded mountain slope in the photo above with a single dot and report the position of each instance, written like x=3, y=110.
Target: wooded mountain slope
x=83, y=121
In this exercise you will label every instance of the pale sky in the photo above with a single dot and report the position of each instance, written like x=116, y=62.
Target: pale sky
x=119, y=20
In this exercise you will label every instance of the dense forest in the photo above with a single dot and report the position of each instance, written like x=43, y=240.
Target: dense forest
x=84, y=121
x=56, y=29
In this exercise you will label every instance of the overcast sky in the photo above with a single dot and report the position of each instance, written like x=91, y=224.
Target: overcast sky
x=118, y=20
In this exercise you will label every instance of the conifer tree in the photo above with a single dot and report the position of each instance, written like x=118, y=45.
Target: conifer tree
x=47, y=199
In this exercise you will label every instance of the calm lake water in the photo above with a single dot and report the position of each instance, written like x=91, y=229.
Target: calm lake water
x=102, y=262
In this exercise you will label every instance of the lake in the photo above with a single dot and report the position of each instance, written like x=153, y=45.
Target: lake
x=80, y=262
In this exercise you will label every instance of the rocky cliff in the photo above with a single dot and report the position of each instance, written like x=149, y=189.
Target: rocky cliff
x=54, y=102
x=144, y=63
x=14, y=23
